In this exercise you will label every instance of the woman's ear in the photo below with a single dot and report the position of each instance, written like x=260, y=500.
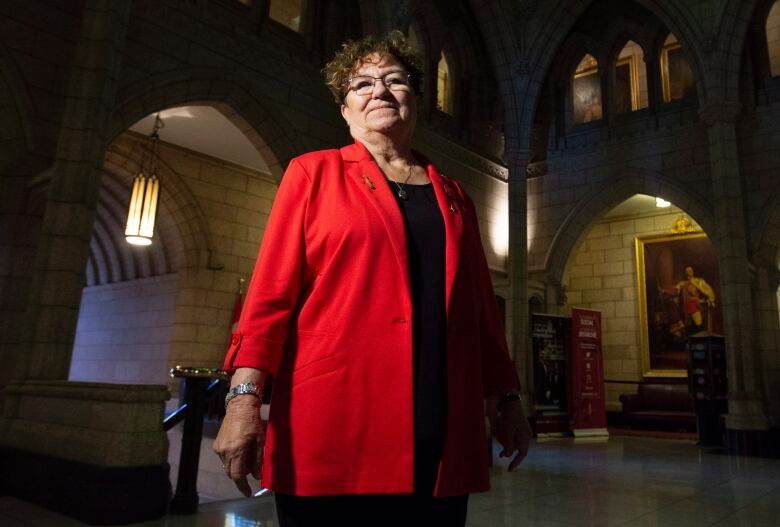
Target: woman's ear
x=345, y=113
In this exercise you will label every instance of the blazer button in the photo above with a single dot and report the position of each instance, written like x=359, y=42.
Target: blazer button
x=399, y=320
x=234, y=340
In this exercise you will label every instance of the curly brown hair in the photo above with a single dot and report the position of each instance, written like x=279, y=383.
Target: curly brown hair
x=352, y=55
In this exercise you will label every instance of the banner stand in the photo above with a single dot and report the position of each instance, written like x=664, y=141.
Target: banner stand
x=549, y=345
x=587, y=405
x=589, y=433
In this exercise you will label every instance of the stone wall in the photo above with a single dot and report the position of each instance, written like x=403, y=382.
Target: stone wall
x=485, y=183
x=219, y=210
x=759, y=148
x=124, y=331
x=585, y=181
x=601, y=274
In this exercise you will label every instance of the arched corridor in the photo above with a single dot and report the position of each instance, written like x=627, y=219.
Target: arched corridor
x=618, y=155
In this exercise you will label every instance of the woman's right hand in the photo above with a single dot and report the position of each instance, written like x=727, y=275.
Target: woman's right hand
x=240, y=441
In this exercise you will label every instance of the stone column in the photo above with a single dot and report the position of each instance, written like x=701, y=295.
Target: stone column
x=20, y=222
x=22, y=156
x=766, y=281
x=746, y=423
x=93, y=451
x=607, y=99
x=654, y=90
x=518, y=266
x=66, y=229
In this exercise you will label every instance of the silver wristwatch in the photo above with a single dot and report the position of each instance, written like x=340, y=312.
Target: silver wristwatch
x=245, y=388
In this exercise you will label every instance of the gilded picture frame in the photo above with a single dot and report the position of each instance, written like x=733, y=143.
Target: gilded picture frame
x=678, y=296
x=586, y=94
x=677, y=80
x=632, y=79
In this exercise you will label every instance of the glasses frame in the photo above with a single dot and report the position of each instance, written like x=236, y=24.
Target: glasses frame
x=382, y=78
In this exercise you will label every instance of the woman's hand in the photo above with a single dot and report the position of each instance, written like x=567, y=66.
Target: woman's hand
x=512, y=430
x=240, y=441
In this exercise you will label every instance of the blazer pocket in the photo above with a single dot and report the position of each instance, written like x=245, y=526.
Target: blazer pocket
x=314, y=356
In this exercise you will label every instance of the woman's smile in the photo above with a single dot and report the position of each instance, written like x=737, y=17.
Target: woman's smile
x=383, y=107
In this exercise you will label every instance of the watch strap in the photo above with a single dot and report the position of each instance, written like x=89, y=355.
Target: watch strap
x=245, y=388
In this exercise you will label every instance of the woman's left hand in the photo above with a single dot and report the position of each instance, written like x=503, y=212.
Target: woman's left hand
x=512, y=430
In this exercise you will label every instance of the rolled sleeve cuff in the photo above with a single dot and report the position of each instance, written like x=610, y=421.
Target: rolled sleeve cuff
x=250, y=351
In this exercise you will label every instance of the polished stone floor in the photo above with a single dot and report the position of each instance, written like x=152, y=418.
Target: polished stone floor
x=625, y=481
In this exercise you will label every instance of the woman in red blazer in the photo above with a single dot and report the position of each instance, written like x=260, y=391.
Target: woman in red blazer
x=371, y=305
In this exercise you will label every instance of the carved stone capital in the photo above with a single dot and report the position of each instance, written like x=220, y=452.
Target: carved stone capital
x=536, y=169
x=468, y=157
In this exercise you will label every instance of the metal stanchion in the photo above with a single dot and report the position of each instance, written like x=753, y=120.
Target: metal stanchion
x=197, y=382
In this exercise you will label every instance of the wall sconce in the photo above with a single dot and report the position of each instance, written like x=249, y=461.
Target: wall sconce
x=146, y=192
x=661, y=203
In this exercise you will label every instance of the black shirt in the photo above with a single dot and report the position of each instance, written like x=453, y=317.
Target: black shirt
x=425, y=244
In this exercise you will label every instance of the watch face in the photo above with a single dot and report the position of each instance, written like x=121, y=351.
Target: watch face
x=245, y=388
x=248, y=388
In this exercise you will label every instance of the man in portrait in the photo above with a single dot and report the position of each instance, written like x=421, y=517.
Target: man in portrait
x=696, y=299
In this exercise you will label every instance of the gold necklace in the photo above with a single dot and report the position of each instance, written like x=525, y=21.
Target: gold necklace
x=401, y=192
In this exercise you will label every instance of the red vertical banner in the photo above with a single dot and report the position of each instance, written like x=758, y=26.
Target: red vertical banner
x=587, y=411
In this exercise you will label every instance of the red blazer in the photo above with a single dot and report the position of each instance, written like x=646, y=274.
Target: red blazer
x=328, y=313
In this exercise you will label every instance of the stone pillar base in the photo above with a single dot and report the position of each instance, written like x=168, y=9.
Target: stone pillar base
x=758, y=443
x=93, y=451
x=92, y=494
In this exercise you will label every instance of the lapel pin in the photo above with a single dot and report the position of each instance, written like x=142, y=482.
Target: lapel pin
x=452, y=207
x=368, y=183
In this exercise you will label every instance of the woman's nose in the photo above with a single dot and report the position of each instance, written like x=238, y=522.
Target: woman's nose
x=379, y=88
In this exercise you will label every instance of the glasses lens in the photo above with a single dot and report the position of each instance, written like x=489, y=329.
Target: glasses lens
x=362, y=85
x=397, y=80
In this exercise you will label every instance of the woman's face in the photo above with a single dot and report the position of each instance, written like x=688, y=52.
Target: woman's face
x=384, y=111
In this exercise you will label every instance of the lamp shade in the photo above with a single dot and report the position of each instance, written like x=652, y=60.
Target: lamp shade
x=143, y=210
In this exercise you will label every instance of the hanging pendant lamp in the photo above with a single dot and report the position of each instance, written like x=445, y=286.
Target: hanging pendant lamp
x=146, y=192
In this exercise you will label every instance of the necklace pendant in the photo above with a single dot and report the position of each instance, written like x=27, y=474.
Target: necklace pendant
x=402, y=194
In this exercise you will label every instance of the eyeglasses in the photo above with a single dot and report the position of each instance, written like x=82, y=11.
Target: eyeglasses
x=394, y=80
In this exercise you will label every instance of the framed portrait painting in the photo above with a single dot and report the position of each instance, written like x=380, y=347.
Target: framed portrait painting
x=586, y=92
x=626, y=86
x=679, y=297
x=677, y=79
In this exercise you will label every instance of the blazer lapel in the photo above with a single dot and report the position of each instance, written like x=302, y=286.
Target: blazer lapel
x=451, y=211
x=365, y=174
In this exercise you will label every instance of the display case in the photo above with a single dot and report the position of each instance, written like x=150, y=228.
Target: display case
x=708, y=385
